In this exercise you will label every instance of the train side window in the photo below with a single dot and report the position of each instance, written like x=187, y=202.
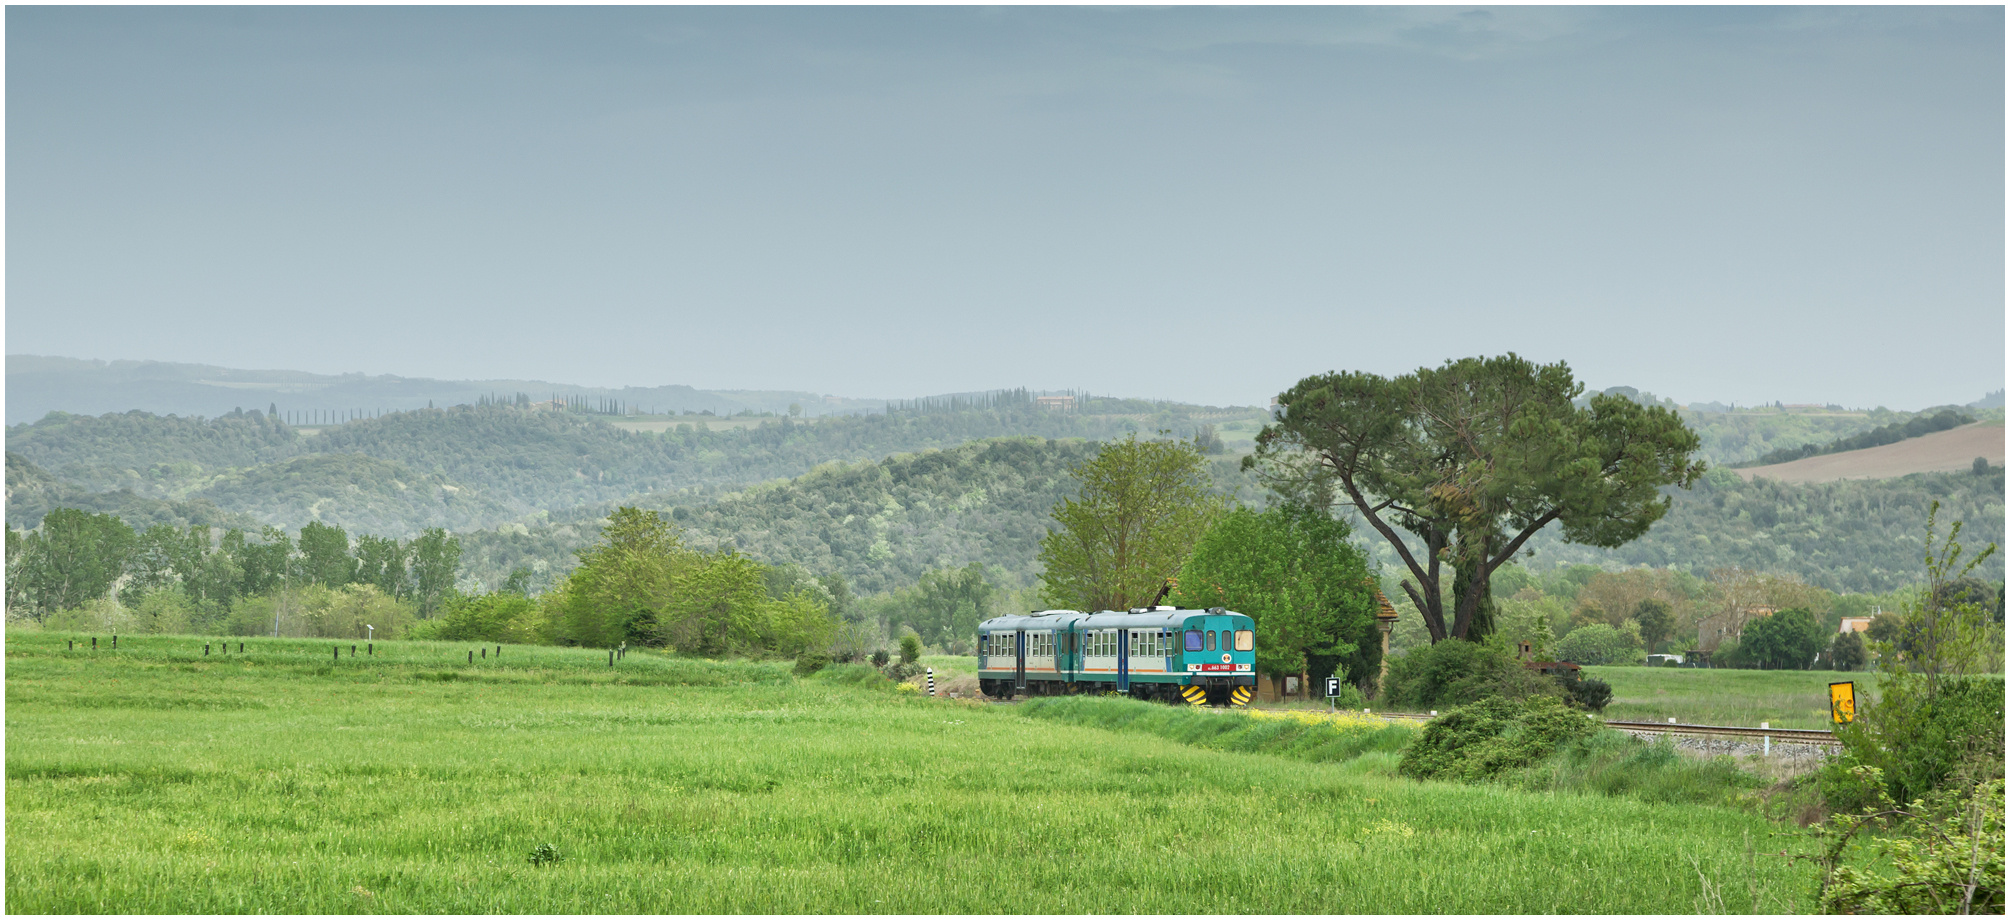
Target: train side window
x=1245, y=640
x=1193, y=640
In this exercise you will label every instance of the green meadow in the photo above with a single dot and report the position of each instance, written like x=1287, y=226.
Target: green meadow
x=155, y=779
x=1724, y=696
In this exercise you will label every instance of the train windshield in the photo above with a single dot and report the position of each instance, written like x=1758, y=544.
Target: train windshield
x=1245, y=640
x=1193, y=640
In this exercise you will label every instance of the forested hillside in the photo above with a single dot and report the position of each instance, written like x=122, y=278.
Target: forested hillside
x=520, y=462
x=156, y=455
x=1847, y=536
x=32, y=493
x=354, y=492
x=880, y=524
x=528, y=487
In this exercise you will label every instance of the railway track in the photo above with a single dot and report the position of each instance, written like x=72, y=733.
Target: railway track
x=1778, y=735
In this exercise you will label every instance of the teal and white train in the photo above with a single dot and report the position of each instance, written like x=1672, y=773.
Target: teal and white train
x=1204, y=657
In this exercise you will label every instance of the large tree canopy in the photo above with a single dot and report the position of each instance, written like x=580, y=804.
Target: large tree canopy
x=1471, y=459
x=1141, y=507
x=1293, y=571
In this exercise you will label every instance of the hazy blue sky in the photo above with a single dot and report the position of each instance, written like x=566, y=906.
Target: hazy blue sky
x=1728, y=204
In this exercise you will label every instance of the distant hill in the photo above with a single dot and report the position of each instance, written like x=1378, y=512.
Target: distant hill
x=1860, y=535
x=1939, y=452
x=499, y=463
x=879, y=523
x=38, y=385
x=33, y=493
x=360, y=494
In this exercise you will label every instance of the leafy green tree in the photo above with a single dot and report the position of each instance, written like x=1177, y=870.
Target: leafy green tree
x=75, y=556
x=380, y=561
x=518, y=582
x=947, y=604
x=1786, y=641
x=1598, y=643
x=1293, y=571
x=159, y=560
x=1140, y=508
x=624, y=582
x=324, y=555
x=498, y=617
x=719, y=607
x=1931, y=719
x=17, y=592
x=262, y=566
x=1846, y=652
x=1656, y=619
x=436, y=561
x=1472, y=459
x=842, y=604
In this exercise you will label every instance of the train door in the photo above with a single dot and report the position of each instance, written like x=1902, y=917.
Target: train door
x=1019, y=676
x=1123, y=661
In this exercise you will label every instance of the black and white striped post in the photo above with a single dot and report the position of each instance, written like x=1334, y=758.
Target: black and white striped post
x=931, y=681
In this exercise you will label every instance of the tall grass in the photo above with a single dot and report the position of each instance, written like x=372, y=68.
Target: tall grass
x=1302, y=736
x=155, y=780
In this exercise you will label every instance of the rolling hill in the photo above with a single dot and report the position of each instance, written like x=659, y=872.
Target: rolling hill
x=1943, y=451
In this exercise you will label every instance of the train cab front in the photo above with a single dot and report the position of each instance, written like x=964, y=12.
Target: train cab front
x=1218, y=653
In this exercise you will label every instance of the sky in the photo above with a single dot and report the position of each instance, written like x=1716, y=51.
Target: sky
x=1712, y=204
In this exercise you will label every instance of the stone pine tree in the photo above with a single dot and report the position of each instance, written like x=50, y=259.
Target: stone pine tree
x=1139, y=510
x=1457, y=466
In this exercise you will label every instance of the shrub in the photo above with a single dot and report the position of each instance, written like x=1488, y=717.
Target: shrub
x=1456, y=672
x=1486, y=739
x=910, y=648
x=1350, y=697
x=880, y=658
x=1598, y=644
x=1917, y=741
x=1944, y=853
x=809, y=663
x=1588, y=693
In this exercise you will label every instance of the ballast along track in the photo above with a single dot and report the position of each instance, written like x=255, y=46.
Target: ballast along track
x=1779, y=735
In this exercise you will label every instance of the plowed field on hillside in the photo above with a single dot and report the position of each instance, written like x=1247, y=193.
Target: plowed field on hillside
x=1940, y=452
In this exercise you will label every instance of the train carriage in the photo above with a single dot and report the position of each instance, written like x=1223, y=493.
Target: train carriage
x=1163, y=653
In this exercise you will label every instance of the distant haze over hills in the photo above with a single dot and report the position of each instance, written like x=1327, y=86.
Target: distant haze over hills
x=38, y=385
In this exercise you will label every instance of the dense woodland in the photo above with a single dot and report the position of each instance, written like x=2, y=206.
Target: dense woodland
x=925, y=517
x=1859, y=535
x=506, y=463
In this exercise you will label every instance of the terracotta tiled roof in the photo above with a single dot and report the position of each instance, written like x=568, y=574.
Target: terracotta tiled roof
x=1388, y=610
